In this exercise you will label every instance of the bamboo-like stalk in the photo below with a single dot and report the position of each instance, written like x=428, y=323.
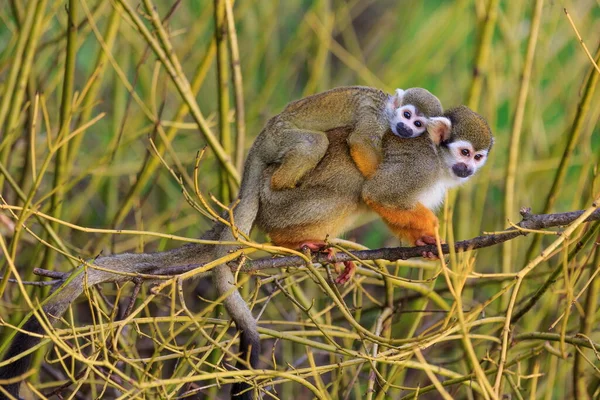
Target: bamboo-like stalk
x=473, y=99
x=483, y=54
x=319, y=74
x=575, y=132
x=586, y=326
x=30, y=29
x=223, y=92
x=238, y=88
x=61, y=161
x=170, y=62
x=515, y=136
x=100, y=67
x=149, y=168
x=222, y=81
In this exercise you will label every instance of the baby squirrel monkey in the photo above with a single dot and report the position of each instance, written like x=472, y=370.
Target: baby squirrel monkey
x=411, y=180
x=296, y=137
x=408, y=113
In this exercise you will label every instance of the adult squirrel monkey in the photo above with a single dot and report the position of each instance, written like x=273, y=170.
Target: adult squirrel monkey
x=411, y=180
x=296, y=138
x=414, y=175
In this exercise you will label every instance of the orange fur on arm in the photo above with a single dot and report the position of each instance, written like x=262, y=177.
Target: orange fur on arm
x=365, y=159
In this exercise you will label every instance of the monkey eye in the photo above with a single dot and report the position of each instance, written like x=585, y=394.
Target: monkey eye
x=465, y=152
x=418, y=124
x=478, y=157
x=406, y=114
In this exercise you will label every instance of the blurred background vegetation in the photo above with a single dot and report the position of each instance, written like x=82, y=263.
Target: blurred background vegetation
x=79, y=108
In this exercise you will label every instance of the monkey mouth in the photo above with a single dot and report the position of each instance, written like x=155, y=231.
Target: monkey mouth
x=462, y=170
x=402, y=131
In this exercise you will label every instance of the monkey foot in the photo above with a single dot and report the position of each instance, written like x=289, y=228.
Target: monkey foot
x=347, y=274
x=315, y=246
x=349, y=267
x=424, y=241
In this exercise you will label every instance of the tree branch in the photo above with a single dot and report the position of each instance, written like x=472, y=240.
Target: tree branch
x=529, y=222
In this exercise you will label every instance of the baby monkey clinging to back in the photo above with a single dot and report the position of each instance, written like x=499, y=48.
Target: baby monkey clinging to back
x=408, y=113
x=296, y=137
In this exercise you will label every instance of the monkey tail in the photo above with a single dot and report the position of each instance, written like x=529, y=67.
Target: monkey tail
x=244, y=216
x=21, y=342
x=31, y=329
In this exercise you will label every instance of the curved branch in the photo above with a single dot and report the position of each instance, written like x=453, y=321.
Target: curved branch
x=529, y=222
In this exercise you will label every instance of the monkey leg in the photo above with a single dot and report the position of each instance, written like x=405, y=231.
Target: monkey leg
x=302, y=152
x=418, y=225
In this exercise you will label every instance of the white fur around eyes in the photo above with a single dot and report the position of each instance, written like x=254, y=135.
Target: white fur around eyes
x=460, y=144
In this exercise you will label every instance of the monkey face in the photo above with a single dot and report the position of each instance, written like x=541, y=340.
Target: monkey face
x=462, y=159
x=408, y=122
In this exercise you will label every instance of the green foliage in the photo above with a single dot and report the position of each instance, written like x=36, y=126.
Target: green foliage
x=126, y=95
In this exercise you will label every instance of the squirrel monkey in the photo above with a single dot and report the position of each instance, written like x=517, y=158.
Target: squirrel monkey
x=410, y=181
x=414, y=176
x=408, y=113
x=296, y=138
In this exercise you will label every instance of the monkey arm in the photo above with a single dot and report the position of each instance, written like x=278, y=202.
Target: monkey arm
x=365, y=139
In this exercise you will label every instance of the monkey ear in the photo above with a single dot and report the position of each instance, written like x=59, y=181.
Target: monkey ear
x=439, y=129
x=398, y=97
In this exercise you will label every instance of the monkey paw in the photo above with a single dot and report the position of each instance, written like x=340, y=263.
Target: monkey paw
x=366, y=162
x=349, y=267
x=427, y=240
x=281, y=184
x=284, y=179
x=347, y=274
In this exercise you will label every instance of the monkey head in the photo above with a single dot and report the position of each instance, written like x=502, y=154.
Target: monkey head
x=409, y=111
x=464, y=140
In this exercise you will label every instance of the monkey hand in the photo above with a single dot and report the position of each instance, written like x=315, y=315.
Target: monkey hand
x=282, y=179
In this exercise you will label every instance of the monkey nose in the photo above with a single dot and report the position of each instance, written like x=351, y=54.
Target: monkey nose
x=403, y=130
x=461, y=170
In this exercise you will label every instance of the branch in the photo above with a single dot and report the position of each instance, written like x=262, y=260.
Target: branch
x=529, y=222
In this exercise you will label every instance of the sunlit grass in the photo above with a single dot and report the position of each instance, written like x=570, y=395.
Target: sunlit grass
x=135, y=78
